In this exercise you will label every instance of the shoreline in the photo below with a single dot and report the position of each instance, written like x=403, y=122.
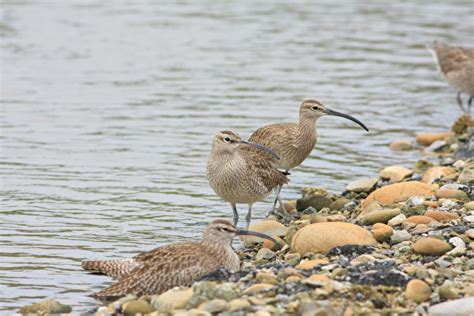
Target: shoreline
x=400, y=243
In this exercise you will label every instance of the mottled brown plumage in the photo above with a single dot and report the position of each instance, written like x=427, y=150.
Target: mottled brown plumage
x=238, y=175
x=172, y=265
x=293, y=142
x=456, y=63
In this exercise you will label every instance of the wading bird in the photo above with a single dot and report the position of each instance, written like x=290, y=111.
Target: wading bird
x=293, y=142
x=239, y=175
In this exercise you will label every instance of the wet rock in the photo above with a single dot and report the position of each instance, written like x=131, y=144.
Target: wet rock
x=213, y=306
x=318, y=308
x=382, y=216
x=269, y=227
x=266, y=277
x=310, y=264
x=459, y=307
x=137, y=307
x=418, y=291
x=400, y=236
x=316, y=201
x=293, y=258
x=398, y=192
x=382, y=232
x=280, y=243
x=422, y=165
x=437, y=172
x=419, y=219
x=172, y=299
x=395, y=173
x=257, y=288
x=427, y=139
x=438, y=146
x=401, y=145
x=469, y=206
x=238, y=304
x=444, y=193
x=467, y=174
x=362, y=185
x=350, y=251
x=441, y=216
x=46, y=307
x=265, y=254
x=397, y=220
x=338, y=204
x=431, y=246
x=322, y=237
x=459, y=246
x=448, y=292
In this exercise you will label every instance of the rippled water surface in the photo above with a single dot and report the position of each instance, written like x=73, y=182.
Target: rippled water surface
x=108, y=112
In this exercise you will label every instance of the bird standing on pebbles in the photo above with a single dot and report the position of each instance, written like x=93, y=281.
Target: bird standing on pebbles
x=172, y=265
x=293, y=142
x=238, y=175
x=456, y=63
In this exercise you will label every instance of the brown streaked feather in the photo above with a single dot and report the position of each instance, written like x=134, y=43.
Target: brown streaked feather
x=453, y=58
x=115, y=268
x=166, y=267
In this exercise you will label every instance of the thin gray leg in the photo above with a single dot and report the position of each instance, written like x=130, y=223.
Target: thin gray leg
x=469, y=105
x=236, y=214
x=248, y=218
x=460, y=102
x=277, y=198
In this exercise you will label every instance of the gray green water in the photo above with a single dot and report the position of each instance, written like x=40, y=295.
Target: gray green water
x=108, y=110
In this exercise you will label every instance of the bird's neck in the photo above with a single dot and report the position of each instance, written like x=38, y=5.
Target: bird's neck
x=218, y=245
x=306, y=130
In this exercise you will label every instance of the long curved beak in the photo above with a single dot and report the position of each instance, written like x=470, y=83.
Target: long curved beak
x=353, y=119
x=252, y=233
x=261, y=147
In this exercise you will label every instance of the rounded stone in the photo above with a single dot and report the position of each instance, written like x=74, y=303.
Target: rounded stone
x=269, y=227
x=137, y=307
x=265, y=254
x=451, y=194
x=257, y=288
x=317, y=202
x=441, y=216
x=322, y=237
x=418, y=291
x=395, y=173
x=431, y=246
x=238, y=304
x=310, y=264
x=469, y=205
x=427, y=139
x=382, y=232
x=419, y=219
x=437, y=172
x=214, y=306
x=46, y=307
x=398, y=192
x=381, y=216
x=172, y=299
x=362, y=185
x=272, y=245
x=401, y=145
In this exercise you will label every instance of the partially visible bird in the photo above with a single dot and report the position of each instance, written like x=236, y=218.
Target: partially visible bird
x=293, y=142
x=238, y=175
x=456, y=63
x=179, y=264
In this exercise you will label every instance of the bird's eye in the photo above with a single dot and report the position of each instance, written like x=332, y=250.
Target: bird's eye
x=315, y=108
x=224, y=229
x=227, y=139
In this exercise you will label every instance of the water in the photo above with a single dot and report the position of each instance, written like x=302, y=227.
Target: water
x=108, y=112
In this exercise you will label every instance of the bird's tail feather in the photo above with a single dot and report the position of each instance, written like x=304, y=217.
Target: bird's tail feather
x=116, y=268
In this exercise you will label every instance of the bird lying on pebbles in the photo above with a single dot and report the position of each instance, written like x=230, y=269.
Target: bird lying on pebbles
x=178, y=264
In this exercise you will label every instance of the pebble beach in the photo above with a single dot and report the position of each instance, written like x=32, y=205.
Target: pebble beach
x=402, y=243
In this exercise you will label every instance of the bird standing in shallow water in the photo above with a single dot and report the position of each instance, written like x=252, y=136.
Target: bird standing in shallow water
x=293, y=142
x=172, y=265
x=456, y=63
x=238, y=175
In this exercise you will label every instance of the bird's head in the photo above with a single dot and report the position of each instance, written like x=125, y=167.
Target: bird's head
x=221, y=231
x=227, y=141
x=314, y=109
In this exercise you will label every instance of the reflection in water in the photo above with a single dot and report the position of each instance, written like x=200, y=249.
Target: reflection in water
x=108, y=112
